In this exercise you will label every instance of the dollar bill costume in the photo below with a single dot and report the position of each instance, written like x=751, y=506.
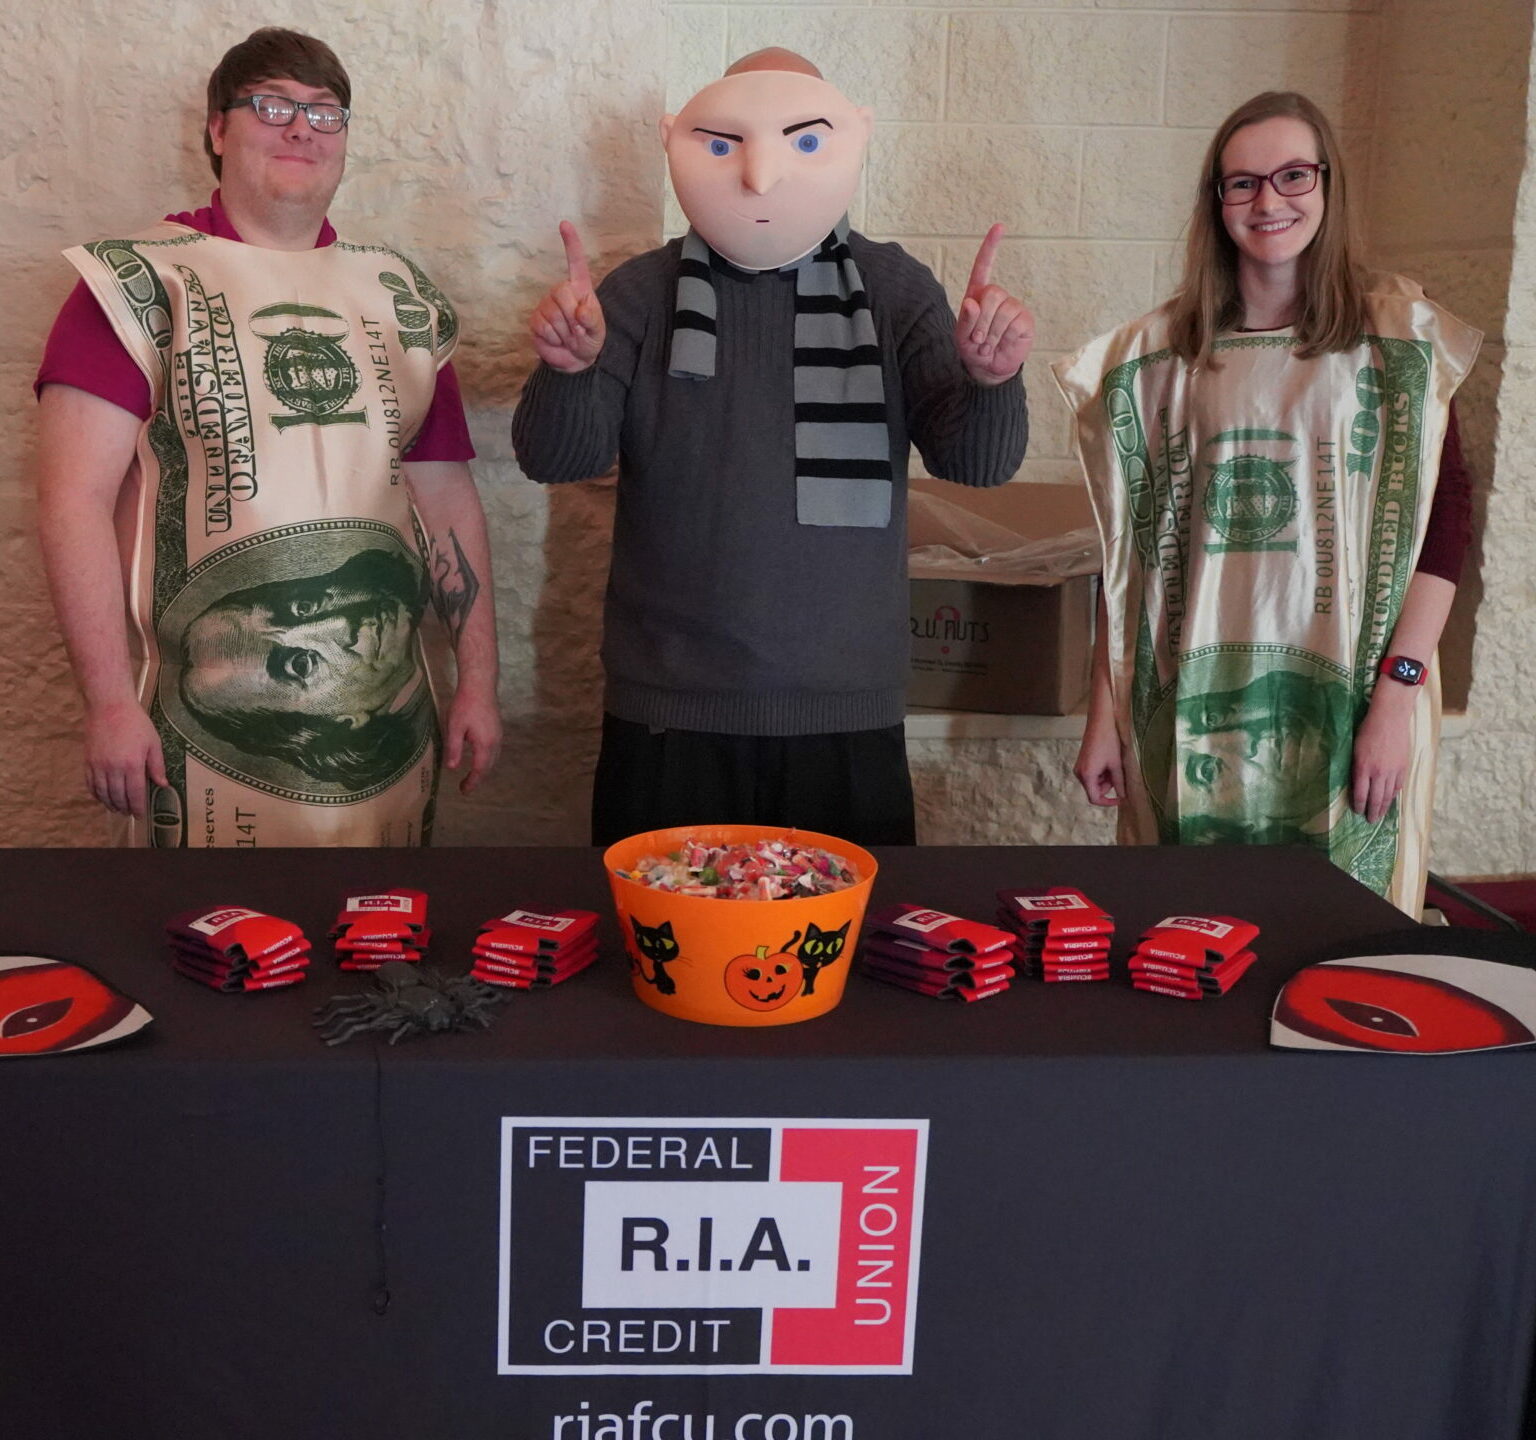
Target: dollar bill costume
x=1261, y=521
x=275, y=575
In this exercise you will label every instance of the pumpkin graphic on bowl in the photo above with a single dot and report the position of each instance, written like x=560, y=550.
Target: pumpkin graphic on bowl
x=762, y=981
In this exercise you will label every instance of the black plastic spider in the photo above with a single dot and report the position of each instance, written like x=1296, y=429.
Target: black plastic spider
x=410, y=1000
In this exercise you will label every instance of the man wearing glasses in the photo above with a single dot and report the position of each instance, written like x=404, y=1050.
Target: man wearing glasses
x=235, y=403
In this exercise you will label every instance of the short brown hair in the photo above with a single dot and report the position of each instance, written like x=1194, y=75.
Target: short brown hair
x=272, y=54
x=1332, y=312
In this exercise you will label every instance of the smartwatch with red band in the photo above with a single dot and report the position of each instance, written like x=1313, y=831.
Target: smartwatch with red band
x=1404, y=670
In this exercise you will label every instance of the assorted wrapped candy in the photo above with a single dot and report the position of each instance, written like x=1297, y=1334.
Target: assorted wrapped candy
x=233, y=949
x=377, y=927
x=763, y=870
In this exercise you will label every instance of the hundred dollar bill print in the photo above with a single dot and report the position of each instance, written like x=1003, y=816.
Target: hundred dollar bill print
x=277, y=570
x=1262, y=518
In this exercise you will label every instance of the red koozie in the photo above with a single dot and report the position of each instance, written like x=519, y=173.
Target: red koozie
x=385, y=915
x=533, y=930
x=1216, y=981
x=537, y=964
x=909, y=953
x=1086, y=945
x=1053, y=974
x=232, y=981
x=958, y=979
x=1197, y=939
x=293, y=956
x=1060, y=909
x=939, y=931
x=234, y=931
x=532, y=976
x=365, y=945
x=484, y=945
x=936, y=988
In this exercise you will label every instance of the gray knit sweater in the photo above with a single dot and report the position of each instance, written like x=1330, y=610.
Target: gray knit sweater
x=723, y=613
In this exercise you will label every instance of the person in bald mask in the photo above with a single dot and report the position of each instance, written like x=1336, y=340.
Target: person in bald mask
x=761, y=382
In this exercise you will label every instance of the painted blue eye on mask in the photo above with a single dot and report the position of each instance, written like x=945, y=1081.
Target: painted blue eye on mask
x=808, y=143
x=718, y=146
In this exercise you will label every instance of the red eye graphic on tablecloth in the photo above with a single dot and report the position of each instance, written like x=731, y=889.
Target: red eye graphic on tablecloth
x=1407, y=1004
x=48, y=1006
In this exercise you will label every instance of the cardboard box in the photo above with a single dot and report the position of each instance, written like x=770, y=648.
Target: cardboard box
x=1019, y=642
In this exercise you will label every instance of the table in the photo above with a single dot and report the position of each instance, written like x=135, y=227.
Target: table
x=1138, y=1220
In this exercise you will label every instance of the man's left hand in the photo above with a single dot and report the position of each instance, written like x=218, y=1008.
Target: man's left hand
x=474, y=720
x=994, y=330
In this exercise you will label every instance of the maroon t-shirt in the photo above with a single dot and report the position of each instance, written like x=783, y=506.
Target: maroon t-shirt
x=1450, y=515
x=83, y=350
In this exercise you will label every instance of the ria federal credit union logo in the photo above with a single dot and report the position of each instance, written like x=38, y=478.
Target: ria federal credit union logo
x=694, y=1246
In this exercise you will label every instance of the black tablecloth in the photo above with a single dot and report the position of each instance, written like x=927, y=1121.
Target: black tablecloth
x=1139, y=1221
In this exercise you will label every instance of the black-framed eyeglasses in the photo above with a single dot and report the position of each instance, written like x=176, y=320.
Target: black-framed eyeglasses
x=1297, y=179
x=323, y=115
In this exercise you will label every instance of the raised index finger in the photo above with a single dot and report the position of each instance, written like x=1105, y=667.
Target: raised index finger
x=575, y=258
x=981, y=271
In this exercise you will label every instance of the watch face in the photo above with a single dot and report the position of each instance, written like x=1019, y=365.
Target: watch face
x=1410, y=672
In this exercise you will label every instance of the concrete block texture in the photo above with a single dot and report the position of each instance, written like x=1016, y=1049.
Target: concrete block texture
x=1458, y=72
x=961, y=179
x=1140, y=184
x=1484, y=789
x=1473, y=284
x=1027, y=68
x=1217, y=61
x=696, y=50
x=1488, y=777
x=895, y=66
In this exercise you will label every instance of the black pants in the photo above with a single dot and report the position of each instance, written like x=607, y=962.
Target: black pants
x=853, y=784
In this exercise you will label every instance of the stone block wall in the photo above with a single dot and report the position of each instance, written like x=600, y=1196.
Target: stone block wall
x=1488, y=776
x=1447, y=155
x=1077, y=123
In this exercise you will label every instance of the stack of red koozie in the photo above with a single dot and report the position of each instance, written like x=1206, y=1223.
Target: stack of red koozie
x=233, y=949
x=1194, y=957
x=937, y=954
x=1061, y=934
x=527, y=949
x=387, y=925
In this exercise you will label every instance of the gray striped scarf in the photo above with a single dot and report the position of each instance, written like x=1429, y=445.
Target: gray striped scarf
x=842, y=445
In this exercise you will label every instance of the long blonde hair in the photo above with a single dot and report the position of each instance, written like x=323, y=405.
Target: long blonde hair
x=1331, y=315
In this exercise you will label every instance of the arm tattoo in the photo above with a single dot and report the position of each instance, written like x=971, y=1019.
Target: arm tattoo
x=454, y=585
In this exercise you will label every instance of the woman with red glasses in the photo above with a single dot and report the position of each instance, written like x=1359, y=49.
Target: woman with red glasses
x=1274, y=471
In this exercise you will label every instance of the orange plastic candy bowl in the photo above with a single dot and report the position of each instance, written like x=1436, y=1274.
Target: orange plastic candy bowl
x=737, y=962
